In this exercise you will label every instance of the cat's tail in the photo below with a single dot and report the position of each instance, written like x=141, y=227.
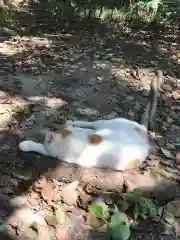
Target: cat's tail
x=150, y=109
x=30, y=146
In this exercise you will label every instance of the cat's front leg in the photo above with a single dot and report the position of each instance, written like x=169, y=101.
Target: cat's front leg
x=31, y=146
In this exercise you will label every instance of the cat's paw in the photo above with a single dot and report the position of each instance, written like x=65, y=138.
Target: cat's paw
x=25, y=146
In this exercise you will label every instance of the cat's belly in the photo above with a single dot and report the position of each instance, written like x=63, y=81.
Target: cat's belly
x=117, y=156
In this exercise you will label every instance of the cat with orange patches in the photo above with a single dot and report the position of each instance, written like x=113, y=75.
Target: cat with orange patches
x=108, y=147
x=118, y=143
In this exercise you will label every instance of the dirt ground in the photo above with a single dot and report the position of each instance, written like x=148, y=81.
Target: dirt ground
x=49, y=78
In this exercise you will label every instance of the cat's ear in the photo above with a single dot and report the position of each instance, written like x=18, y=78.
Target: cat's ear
x=94, y=139
x=64, y=132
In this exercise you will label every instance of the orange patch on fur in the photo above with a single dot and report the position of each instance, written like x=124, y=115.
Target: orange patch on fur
x=95, y=139
x=141, y=132
x=65, y=132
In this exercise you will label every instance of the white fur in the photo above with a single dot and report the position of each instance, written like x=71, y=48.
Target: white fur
x=30, y=146
x=120, y=144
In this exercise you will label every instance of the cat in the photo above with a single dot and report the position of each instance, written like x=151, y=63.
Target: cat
x=118, y=144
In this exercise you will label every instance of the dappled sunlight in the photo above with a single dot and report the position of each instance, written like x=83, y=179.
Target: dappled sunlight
x=77, y=61
x=9, y=50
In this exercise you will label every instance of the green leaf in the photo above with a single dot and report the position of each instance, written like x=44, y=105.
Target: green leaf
x=134, y=195
x=19, y=110
x=51, y=220
x=169, y=217
x=119, y=230
x=137, y=191
x=145, y=207
x=60, y=216
x=99, y=209
x=119, y=218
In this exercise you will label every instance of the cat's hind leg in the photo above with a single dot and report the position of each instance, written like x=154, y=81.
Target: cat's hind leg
x=30, y=146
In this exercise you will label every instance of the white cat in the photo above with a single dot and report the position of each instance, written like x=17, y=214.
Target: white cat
x=119, y=143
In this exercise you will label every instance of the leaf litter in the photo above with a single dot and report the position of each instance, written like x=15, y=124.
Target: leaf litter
x=47, y=189
x=45, y=192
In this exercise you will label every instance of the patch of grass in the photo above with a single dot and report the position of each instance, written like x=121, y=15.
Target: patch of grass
x=20, y=111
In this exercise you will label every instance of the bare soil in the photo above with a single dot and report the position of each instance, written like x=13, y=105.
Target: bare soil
x=47, y=79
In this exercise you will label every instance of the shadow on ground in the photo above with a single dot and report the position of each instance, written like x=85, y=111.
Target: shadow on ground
x=84, y=65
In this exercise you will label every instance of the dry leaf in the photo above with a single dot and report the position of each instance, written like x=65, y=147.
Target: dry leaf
x=47, y=188
x=84, y=200
x=70, y=194
x=130, y=186
x=93, y=221
x=24, y=218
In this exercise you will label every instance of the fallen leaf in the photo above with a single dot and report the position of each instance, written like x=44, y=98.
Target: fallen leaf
x=84, y=200
x=130, y=186
x=93, y=221
x=99, y=209
x=69, y=193
x=118, y=227
x=59, y=218
x=25, y=218
x=47, y=188
x=51, y=219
